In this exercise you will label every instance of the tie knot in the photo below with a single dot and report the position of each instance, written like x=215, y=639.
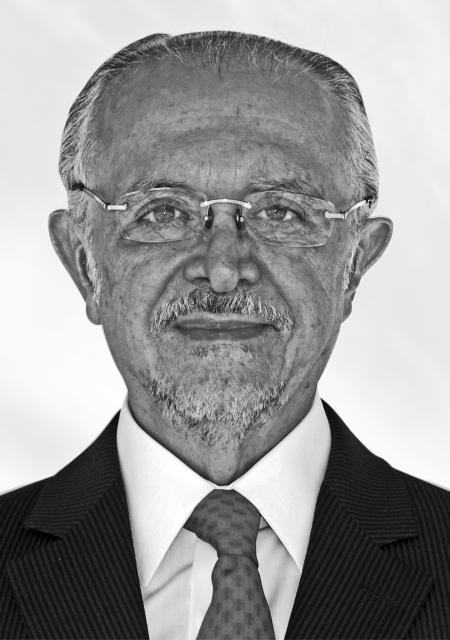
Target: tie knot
x=227, y=521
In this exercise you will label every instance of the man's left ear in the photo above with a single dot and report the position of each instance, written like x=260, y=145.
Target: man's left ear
x=375, y=237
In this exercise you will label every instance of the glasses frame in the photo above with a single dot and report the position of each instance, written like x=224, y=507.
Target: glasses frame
x=208, y=218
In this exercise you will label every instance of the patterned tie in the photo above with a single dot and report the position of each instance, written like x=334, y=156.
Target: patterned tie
x=238, y=609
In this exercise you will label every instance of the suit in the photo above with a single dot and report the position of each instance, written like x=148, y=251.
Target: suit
x=377, y=566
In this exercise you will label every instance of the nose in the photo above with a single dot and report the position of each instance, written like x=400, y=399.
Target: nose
x=226, y=257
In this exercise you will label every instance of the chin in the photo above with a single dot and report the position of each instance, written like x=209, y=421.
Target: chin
x=224, y=369
x=217, y=408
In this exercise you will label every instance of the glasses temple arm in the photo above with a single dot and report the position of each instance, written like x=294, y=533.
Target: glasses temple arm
x=104, y=205
x=343, y=215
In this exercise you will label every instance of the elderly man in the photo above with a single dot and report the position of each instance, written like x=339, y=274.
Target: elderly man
x=220, y=190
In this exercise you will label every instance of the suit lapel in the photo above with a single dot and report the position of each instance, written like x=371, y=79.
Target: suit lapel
x=350, y=586
x=83, y=583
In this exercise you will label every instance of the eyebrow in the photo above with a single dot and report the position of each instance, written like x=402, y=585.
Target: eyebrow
x=290, y=185
x=148, y=182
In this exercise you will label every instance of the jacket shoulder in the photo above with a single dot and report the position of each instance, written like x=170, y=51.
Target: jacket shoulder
x=17, y=503
x=430, y=502
x=14, y=508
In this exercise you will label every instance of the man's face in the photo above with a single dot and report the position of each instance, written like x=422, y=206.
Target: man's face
x=184, y=123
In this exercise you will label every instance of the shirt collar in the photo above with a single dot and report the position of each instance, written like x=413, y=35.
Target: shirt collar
x=162, y=491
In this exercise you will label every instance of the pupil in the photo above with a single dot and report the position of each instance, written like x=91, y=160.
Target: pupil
x=277, y=213
x=166, y=212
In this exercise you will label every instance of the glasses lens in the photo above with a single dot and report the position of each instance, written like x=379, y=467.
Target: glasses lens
x=292, y=220
x=160, y=216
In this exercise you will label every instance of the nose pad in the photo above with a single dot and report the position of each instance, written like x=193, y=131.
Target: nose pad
x=208, y=218
x=239, y=218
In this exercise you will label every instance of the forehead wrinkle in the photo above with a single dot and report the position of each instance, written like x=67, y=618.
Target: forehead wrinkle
x=177, y=165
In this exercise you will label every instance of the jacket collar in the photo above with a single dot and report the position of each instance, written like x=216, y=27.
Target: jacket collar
x=73, y=491
x=369, y=488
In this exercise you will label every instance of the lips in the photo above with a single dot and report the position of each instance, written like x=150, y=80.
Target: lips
x=212, y=327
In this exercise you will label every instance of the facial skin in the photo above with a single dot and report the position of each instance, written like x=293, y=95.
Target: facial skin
x=181, y=122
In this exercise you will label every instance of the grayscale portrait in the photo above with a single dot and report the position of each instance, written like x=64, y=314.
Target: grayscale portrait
x=222, y=213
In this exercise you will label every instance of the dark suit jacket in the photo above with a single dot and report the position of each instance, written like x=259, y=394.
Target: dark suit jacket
x=377, y=566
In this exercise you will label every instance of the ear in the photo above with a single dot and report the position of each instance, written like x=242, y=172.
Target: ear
x=68, y=245
x=375, y=237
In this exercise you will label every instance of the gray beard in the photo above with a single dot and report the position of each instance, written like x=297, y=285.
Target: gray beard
x=222, y=411
x=220, y=402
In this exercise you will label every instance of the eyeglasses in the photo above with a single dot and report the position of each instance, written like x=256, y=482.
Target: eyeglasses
x=273, y=217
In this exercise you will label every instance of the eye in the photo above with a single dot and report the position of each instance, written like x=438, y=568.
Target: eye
x=279, y=209
x=161, y=213
x=276, y=214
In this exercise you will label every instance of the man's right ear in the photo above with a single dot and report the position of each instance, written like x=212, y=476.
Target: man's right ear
x=69, y=247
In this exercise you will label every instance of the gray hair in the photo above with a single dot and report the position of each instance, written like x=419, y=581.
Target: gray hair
x=216, y=49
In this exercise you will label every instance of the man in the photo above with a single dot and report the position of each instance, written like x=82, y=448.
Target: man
x=220, y=191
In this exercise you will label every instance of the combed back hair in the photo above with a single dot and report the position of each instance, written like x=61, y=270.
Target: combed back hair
x=217, y=49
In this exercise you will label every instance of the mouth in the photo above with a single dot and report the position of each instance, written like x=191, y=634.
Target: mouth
x=210, y=327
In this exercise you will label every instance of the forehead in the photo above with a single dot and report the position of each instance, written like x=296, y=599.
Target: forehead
x=187, y=120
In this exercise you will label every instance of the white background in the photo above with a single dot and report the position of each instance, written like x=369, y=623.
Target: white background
x=389, y=375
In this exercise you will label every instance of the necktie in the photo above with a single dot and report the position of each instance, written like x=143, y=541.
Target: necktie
x=238, y=609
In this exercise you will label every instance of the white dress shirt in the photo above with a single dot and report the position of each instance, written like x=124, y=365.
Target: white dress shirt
x=175, y=566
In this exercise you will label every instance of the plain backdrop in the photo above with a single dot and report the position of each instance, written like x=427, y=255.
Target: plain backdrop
x=389, y=375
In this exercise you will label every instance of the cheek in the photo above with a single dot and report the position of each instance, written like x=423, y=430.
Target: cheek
x=133, y=281
x=312, y=285
x=310, y=278
x=137, y=274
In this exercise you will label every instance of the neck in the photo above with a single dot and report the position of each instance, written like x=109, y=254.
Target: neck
x=219, y=463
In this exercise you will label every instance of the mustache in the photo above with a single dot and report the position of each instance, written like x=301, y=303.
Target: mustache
x=241, y=302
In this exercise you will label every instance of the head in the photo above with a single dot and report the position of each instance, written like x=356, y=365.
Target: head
x=218, y=333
